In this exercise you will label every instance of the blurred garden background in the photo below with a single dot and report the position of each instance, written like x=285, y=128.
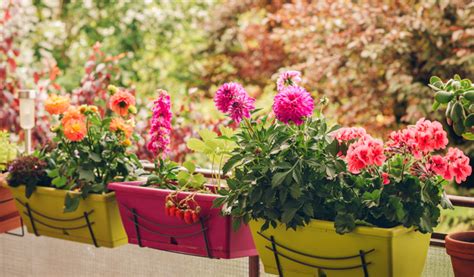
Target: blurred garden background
x=371, y=59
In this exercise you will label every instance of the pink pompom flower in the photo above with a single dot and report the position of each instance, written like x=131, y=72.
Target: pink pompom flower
x=160, y=130
x=288, y=78
x=437, y=164
x=226, y=94
x=241, y=107
x=231, y=98
x=293, y=104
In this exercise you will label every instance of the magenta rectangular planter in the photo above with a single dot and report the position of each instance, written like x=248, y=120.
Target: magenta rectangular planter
x=143, y=215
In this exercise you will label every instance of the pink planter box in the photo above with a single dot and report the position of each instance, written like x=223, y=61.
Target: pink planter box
x=143, y=215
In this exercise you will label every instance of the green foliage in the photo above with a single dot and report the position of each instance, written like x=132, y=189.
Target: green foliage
x=168, y=174
x=282, y=174
x=88, y=166
x=8, y=150
x=458, y=96
x=29, y=171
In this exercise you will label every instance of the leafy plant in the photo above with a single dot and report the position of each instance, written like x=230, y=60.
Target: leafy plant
x=91, y=150
x=216, y=147
x=296, y=169
x=457, y=95
x=8, y=150
x=29, y=171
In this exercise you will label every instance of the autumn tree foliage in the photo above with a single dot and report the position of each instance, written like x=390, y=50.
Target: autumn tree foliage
x=372, y=59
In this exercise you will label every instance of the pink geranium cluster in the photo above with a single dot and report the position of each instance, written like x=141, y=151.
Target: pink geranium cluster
x=424, y=137
x=416, y=144
x=231, y=98
x=365, y=152
x=292, y=103
x=455, y=165
x=160, y=130
x=347, y=134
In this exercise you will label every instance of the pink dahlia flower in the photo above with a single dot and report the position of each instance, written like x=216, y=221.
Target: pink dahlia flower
x=160, y=130
x=288, y=78
x=293, y=103
x=226, y=95
x=231, y=98
x=241, y=107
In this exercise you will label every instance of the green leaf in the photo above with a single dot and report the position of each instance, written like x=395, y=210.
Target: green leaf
x=196, y=145
x=231, y=163
x=87, y=175
x=207, y=135
x=59, y=182
x=71, y=203
x=53, y=173
x=308, y=209
x=288, y=215
x=434, y=79
x=279, y=177
x=189, y=166
x=344, y=223
x=468, y=136
x=95, y=157
x=295, y=191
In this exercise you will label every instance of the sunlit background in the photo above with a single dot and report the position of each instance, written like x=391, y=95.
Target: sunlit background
x=371, y=59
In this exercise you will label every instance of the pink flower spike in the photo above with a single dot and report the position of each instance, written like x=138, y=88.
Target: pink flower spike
x=293, y=104
x=288, y=78
x=160, y=130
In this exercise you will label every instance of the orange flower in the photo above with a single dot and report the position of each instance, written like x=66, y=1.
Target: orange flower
x=118, y=125
x=56, y=104
x=75, y=130
x=73, y=113
x=121, y=101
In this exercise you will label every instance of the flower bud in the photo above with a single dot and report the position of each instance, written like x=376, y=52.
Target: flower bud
x=112, y=89
x=126, y=142
x=132, y=109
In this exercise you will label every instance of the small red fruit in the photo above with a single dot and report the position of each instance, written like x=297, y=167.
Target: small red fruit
x=179, y=213
x=172, y=211
x=188, y=217
x=195, y=216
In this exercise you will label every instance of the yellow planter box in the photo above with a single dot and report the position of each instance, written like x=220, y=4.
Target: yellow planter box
x=96, y=220
x=317, y=248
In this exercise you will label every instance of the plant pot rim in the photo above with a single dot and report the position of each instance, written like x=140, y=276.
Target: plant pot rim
x=135, y=185
x=396, y=231
x=455, y=245
x=104, y=197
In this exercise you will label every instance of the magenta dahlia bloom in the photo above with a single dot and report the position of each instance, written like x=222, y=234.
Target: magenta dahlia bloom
x=226, y=94
x=288, y=78
x=241, y=107
x=293, y=103
x=160, y=130
x=231, y=98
